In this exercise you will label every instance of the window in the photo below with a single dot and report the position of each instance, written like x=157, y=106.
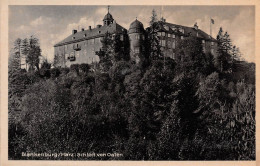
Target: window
x=212, y=51
x=163, y=43
x=169, y=35
x=66, y=47
x=203, y=49
x=136, y=50
x=169, y=44
x=163, y=33
x=121, y=37
x=159, y=33
x=91, y=41
x=113, y=37
x=72, y=55
x=212, y=43
x=173, y=28
x=73, y=37
x=173, y=44
x=77, y=54
x=99, y=32
x=143, y=37
x=85, y=35
x=67, y=56
x=203, y=41
x=181, y=37
x=173, y=55
x=137, y=37
x=166, y=27
x=173, y=36
x=197, y=34
x=85, y=52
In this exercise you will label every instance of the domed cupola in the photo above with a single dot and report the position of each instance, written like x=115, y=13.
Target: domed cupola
x=108, y=16
x=108, y=19
x=136, y=27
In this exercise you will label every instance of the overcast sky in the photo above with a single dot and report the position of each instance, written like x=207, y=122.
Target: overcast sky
x=51, y=24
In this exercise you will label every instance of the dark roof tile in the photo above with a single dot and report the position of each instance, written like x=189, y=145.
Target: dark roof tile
x=93, y=33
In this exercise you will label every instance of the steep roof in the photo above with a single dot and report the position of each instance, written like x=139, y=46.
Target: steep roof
x=187, y=30
x=90, y=34
x=136, y=27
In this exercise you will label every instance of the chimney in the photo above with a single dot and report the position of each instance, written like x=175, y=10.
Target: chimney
x=89, y=27
x=99, y=26
x=163, y=19
x=196, y=26
x=74, y=31
x=82, y=29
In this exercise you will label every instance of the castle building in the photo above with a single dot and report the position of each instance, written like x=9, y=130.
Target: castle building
x=136, y=35
x=81, y=46
x=170, y=35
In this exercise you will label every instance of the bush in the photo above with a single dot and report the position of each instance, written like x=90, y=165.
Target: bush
x=55, y=72
x=84, y=68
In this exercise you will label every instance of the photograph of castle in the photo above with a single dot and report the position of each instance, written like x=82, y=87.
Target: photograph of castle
x=80, y=47
x=171, y=83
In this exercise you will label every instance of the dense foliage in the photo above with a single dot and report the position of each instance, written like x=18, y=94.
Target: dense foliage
x=183, y=109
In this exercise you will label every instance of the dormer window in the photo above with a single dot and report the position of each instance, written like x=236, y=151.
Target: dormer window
x=85, y=35
x=99, y=32
x=113, y=37
x=73, y=37
x=166, y=27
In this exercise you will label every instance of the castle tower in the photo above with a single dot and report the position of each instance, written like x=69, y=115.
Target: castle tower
x=108, y=19
x=136, y=35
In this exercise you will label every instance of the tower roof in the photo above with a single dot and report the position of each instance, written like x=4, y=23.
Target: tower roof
x=108, y=16
x=136, y=27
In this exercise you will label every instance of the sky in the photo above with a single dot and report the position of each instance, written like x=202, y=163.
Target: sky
x=51, y=24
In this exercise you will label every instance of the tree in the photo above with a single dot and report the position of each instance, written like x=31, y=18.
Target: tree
x=31, y=51
x=190, y=57
x=107, y=53
x=113, y=50
x=235, y=53
x=153, y=18
x=223, y=61
x=154, y=48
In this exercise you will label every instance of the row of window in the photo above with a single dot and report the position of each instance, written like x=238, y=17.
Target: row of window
x=211, y=43
x=173, y=28
x=169, y=44
x=91, y=42
x=138, y=36
x=75, y=54
x=165, y=34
